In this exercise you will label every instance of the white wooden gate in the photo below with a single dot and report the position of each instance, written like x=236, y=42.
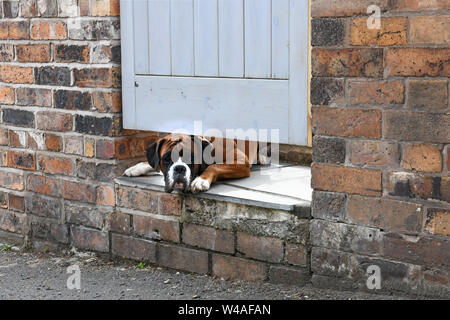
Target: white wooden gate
x=232, y=64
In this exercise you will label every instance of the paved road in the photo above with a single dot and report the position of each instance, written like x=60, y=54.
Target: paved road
x=25, y=275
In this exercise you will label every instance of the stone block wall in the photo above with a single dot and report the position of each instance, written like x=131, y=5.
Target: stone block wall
x=61, y=137
x=381, y=125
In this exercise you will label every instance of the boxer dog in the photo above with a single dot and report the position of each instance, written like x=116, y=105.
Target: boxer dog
x=182, y=160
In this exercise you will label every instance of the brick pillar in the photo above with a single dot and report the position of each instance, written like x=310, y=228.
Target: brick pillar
x=381, y=129
x=61, y=137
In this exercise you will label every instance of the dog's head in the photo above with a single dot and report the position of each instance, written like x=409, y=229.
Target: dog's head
x=180, y=159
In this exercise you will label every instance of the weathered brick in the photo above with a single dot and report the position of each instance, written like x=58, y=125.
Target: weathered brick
x=19, y=160
x=55, y=165
x=132, y=248
x=105, y=8
x=169, y=204
x=208, y=238
x=53, y=142
x=327, y=32
x=16, y=203
x=99, y=77
x=28, y=8
x=326, y=90
x=16, y=74
x=180, y=258
x=84, y=7
x=437, y=221
x=11, y=180
x=296, y=254
x=33, y=53
x=347, y=63
x=58, y=76
x=386, y=214
x=14, y=30
x=422, y=157
x=48, y=8
x=106, y=196
x=73, y=145
x=6, y=53
x=48, y=30
x=95, y=126
x=428, y=95
x=105, y=149
x=418, y=250
x=376, y=92
x=156, y=228
x=418, y=62
x=86, y=214
x=73, y=100
x=93, y=29
x=43, y=206
x=11, y=9
x=18, y=117
x=119, y=222
x=43, y=184
x=6, y=95
x=328, y=8
x=137, y=199
x=287, y=275
x=346, y=179
x=346, y=122
x=260, y=248
x=89, y=239
x=68, y=8
x=71, y=53
x=328, y=150
x=12, y=221
x=17, y=139
x=232, y=268
x=3, y=200
x=419, y=5
x=429, y=29
x=79, y=191
x=345, y=237
x=378, y=153
x=4, y=138
x=392, y=32
x=36, y=140
x=34, y=97
x=328, y=205
x=417, y=126
x=89, y=148
x=102, y=172
x=413, y=185
x=54, y=121
x=107, y=101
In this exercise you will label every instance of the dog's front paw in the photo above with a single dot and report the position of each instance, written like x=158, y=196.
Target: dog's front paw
x=199, y=184
x=140, y=169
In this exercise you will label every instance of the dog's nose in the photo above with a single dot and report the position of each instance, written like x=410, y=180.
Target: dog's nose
x=180, y=169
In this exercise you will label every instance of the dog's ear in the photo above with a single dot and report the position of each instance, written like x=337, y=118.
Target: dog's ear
x=209, y=153
x=153, y=152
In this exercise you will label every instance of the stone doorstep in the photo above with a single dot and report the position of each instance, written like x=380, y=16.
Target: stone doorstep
x=280, y=187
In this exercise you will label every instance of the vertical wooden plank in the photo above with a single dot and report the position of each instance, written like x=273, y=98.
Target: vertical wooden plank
x=231, y=38
x=140, y=22
x=298, y=72
x=182, y=40
x=205, y=35
x=127, y=52
x=280, y=39
x=258, y=38
x=159, y=36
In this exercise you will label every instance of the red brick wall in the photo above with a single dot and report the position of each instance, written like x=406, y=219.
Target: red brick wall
x=61, y=140
x=381, y=125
